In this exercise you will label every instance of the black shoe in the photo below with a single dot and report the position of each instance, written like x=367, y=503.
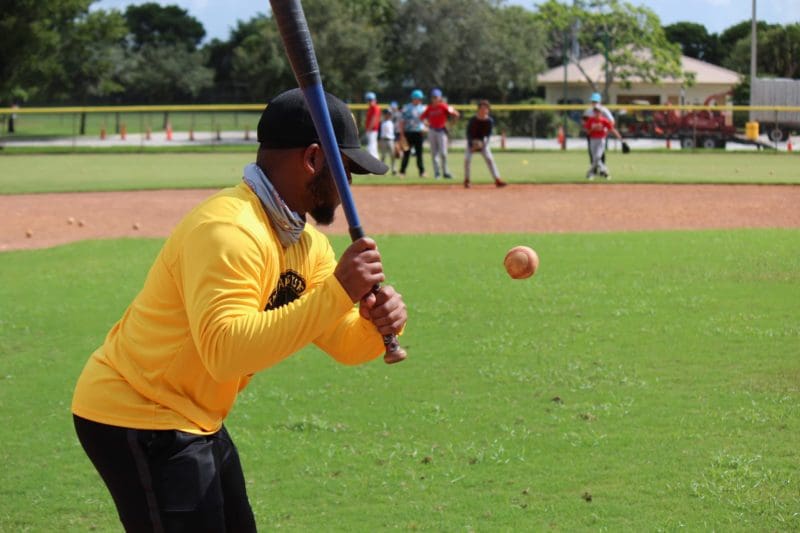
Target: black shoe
x=448, y=176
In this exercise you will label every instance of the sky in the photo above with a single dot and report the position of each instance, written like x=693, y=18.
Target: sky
x=220, y=16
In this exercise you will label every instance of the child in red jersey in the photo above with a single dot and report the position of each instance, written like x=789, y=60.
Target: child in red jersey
x=597, y=128
x=436, y=116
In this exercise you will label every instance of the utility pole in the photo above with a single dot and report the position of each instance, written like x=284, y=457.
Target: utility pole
x=606, y=46
x=564, y=99
x=753, y=52
x=753, y=45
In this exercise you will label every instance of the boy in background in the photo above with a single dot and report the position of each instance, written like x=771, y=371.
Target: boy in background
x=412, y=131
x=479, y=129
x=386, y=138
x=597, y=127
x=436, y=115
x=372, y=123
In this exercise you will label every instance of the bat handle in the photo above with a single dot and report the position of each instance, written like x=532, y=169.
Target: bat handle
x=394, y=353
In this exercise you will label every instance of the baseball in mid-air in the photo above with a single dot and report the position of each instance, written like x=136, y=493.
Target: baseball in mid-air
x=521, y=262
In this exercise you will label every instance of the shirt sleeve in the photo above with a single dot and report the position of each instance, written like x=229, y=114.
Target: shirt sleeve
x=352, y=339
x=223, y=269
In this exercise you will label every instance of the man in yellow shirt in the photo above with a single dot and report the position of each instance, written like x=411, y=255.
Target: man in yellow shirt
x=242, y=283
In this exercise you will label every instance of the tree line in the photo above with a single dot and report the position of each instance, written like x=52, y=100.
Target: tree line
x=63, y=52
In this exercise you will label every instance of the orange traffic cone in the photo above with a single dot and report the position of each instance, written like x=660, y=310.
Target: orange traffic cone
x=789, y=146
x=561, y=138
x=123, y=131
x=169, y=131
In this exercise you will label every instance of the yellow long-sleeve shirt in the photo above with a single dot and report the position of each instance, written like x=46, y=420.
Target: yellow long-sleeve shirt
x=222, y=301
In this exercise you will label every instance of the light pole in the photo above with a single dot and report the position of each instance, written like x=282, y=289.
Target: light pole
x=753, y=44
x=753, y=51
x=564, y=113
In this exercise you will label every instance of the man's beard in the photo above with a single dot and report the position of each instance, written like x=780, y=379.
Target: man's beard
x=325, y=196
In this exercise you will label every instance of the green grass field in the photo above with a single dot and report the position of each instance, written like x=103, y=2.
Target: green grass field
x=114, y=171
x=640, y=381
x=646, y=381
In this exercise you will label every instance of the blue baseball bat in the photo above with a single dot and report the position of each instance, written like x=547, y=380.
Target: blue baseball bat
x=296, y=38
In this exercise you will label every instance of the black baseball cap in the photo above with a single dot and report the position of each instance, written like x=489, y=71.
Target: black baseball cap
x=286, y=123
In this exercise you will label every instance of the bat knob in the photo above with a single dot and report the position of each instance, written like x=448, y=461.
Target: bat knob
x=394, y=353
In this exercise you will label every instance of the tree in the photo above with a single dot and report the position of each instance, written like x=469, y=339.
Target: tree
x=93, y=57
x=695, y=41
x=163, y=62
x=30, y=40
x=152, y=24
x=437, y=49
x=737, y=32
x=345, y=43
x=630, y=37
x=512, y=56
x=778, y=52
x=166, y=73
x=91, y=52
x=489, y=50
x=347, y=47
x=220, y=56
x=258, y=66
x=781, y=51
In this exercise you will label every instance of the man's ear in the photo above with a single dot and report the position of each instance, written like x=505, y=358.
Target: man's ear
x=313, y=158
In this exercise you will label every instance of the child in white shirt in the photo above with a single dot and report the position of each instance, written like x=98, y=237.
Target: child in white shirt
x=386, y=137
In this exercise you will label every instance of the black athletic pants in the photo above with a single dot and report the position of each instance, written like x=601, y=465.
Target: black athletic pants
x=170, y=480
x=415, y=140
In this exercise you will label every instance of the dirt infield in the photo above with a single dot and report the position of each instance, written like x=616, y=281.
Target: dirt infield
x=44, y=220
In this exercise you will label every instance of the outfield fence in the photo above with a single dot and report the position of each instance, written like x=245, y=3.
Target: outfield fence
x=526, y=126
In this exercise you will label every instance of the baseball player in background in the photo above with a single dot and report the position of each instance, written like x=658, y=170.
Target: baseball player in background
x=412, y=132
x=242, y=283
x=589, y=113
x=372, y=123
x=436, y=116
x=597, y=128
x=386, y=139
x=479, y=130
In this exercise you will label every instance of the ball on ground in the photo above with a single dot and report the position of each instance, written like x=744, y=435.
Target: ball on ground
x=521, y=262
x=136, y=226
x=29, y=233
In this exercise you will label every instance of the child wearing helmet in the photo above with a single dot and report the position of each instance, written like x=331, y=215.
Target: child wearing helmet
x=412, y=131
